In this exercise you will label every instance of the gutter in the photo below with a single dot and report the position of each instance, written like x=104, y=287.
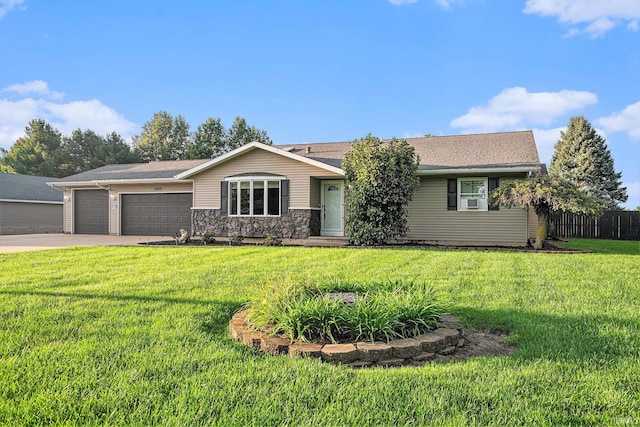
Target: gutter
x=517, y=169
x=101, y=183
x=44, y=202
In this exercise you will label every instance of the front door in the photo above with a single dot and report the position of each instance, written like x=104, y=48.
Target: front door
x=332, y=208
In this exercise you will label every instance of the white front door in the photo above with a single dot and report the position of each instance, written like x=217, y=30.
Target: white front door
x=332, y=208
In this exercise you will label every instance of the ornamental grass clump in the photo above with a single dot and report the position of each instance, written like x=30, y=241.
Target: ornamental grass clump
x=312, y=312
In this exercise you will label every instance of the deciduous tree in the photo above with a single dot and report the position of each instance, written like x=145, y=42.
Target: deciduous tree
x=546, y=193
x=241, y=133
x=164, y=137
x=209, y=141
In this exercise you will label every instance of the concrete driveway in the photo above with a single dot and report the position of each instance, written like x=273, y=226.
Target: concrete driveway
x=33, y=242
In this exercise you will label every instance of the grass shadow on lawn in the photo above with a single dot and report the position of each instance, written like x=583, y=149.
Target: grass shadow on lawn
x=561, y=338
x=117, y=297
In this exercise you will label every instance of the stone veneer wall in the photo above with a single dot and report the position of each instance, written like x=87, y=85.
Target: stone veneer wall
x=297, y=224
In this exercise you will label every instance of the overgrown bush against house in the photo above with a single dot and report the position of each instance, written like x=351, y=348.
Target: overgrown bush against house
x=340, y=311
x=381, y=179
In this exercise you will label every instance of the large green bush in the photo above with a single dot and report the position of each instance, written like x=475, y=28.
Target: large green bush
x=381, y=178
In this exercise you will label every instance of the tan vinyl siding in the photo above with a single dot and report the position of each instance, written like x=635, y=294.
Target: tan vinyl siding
x=67, y=212
x=430, y=221
x=207, y=183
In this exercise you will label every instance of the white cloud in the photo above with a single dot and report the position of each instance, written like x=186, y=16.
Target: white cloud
x=545, y=141
x=599, y=16
x=66, y=117
x=516, y=108
x=447, y=3
x=35, y=87
x=628, y=120
x=8, y=5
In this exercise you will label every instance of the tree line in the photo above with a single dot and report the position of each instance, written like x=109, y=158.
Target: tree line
x=44, y=151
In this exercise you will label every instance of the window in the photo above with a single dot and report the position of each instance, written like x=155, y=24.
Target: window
x=472, y=194
x=255, y=196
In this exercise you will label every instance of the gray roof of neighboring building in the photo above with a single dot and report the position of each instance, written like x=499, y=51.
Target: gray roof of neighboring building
x=151, y=170
x=27, y=187
x=506, y=149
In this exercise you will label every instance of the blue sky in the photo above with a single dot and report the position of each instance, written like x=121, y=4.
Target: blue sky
x=329, y=70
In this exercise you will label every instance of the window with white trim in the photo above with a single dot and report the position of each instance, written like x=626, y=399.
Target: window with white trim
x=472, y=194
x=254, y=196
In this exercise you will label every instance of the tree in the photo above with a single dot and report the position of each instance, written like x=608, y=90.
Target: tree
x=241, y=133
x=582, y=157
x=209, y=140
x=36, y=152
x=116, y=150
x=164, y=137
x=548, y=193
x=381, y=178
x=85, y=150
x=212, y=139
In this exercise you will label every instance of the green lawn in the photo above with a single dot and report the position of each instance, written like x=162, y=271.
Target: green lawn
x=138, y=335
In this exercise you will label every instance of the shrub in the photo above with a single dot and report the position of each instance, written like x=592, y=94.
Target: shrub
x=381, y=178
x=381, y=311
x=236, y=240
x=272, y=240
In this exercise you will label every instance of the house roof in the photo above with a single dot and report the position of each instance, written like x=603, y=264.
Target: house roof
x=441, y=153
x=515, y=151
x=27, y=188
x=135, y=171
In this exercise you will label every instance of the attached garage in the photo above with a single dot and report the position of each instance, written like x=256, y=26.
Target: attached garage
x=91, y=212
x=156, y=214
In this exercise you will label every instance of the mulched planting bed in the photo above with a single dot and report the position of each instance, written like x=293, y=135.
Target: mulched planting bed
x=549, y=247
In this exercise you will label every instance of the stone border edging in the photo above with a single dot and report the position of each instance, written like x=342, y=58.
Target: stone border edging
x=400, y=352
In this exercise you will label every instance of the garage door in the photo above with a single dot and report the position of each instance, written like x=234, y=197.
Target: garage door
x=91, y=212
x=161, y=214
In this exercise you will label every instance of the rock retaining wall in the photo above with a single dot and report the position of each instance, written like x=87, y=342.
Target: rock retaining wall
x=408, y=351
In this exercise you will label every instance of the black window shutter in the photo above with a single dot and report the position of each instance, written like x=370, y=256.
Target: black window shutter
x=493, y=184
x=452, y=194
x=224, y=198
x=284, y=197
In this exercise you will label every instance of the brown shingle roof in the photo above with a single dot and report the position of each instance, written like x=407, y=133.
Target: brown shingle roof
x=505, y=149
x=151, y=170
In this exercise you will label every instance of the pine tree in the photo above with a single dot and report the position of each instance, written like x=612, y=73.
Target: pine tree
x=582, y=157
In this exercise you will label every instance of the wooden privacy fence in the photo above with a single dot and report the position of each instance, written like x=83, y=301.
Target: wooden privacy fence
x=614, y=225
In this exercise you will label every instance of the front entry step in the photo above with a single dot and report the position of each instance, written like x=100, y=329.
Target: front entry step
x=326, y=241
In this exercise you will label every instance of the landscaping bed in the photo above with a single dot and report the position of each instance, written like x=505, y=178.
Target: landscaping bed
x=440, y=344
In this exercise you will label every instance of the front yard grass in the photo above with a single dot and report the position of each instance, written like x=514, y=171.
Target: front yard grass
x=138, y=335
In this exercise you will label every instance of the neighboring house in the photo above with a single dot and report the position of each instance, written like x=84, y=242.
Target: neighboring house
x=29, y=205
x=297, y=191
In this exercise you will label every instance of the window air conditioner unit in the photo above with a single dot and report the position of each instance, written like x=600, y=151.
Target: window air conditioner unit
x=472, y=203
